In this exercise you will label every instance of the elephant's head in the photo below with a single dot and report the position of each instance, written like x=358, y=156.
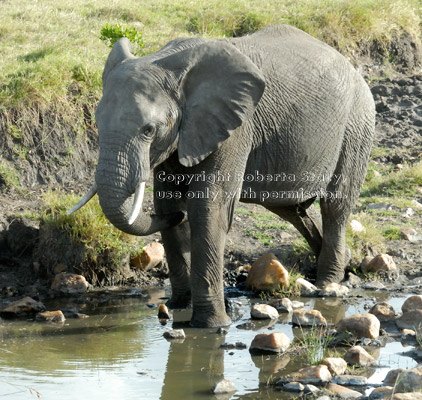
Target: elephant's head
x=189, y=98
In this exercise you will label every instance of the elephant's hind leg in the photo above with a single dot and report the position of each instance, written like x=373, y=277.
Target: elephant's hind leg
x=306, y=220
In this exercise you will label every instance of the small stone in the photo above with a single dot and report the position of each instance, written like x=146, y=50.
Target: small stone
x=297, y=304
x=382, y=392
x=67, y=283
x=356, y=227
x=408, y=334
x=373, y=285
x=411, y=235
x=383, y=311
x=175, y=334
x=267, y=273
x=263, y=311
x=294, y=387
x=334, y=290
x=222, y=331
x=412, y=303
x=357, y=355
x=361, y=325
x=304, y=317
x=163, y=312
x=410, y=320
x=353, y=281
x=311, y=389
x=409, y=213
x=316, y=374
x=283, y=305
x=55, y=317
x=350, y=380
x=22, y=308
x=409, y=380
x=224, y=386
x=343, y=392
x=306, y=287
x=391, y=377
x=336, y=365
x=276, y=342
x=152, y=255
x=381, y=262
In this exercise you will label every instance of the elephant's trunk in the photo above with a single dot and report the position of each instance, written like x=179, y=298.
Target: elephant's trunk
x=117, y=207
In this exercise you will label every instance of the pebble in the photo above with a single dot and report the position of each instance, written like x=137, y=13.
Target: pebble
x=175, y=334
x=263, y=311
x=224, y=386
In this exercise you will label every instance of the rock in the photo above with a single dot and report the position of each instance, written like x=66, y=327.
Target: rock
x=379, y=206
x=276, y=342
x=350, y=380
x=336, y=365
x=343, y=392
x=224, y=386
x=407, y=396
x=311, y=389
x=306, y=288
x=410, y=320
x=316, y=374
x=373, y=285
x=283, y=305
x=361, y=325
x=381, y=262
x=412, y=303
x=67, y=283
x=356, y=227
x=294, y=387
x=175, y=334
x=267, y=273
x=333, y=290
x=297, y=304
x=364, y=263
x=152, y=255
x=409, y=380
x=411, y=235
x=357, y=355
x=56, y=317
x=22, y=308
x=222, y=331
x=231, y=346
x=408, y=213
x=408, y=335
x=304, y=317
x=391, y=377
x=163, y=312
x=382, y=392
x=383, y=311
x=353, y=281
x=263, y=311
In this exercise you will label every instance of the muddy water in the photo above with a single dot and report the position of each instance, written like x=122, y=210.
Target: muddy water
x=119, y=353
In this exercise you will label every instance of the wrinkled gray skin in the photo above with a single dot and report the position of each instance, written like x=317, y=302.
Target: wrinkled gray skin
x=276, y=102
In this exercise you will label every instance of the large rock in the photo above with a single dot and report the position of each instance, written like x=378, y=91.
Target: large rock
x=304, y=318
x=267, y=273
x=361, y=325
x=276, y=342
x=336, y=365
x=381, y=262
x=412, y=303
x=316, y=374
x=263, y=311
x=409, y=381
x=152, y=255
x=22, y=308
x=410, y=320
x=357, y=355
x=383, y=311
x=67, y=283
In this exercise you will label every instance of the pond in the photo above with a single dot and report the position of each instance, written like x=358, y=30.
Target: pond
x=119, y=352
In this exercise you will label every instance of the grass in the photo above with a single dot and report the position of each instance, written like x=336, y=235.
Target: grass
x=46, y=46
x=88, y=226
x=315, y=343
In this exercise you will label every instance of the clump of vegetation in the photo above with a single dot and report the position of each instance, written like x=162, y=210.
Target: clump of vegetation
x=9, y=178
x=315, y=342
x=88, y=226
x=110, y=34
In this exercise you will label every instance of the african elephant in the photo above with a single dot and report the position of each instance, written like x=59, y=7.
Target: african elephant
x=276, y=118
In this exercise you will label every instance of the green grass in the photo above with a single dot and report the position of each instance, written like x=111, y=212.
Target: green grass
x=88, y=226
x=8, y=176
x=314, y=342
x=45, y=46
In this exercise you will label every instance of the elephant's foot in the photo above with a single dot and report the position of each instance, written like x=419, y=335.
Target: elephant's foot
x=179, y=301
x=212, y=317
x=329, y=276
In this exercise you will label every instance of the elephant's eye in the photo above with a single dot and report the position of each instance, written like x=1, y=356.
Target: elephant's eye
x=148, y=131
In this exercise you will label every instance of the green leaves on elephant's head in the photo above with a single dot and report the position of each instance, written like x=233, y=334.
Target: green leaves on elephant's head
x=222, y=89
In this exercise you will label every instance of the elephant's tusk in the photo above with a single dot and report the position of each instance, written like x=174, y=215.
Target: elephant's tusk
x=137, y=203
x=88, y=196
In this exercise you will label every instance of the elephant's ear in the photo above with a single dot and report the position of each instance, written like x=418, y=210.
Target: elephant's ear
x=121, y=51
x=222, y=88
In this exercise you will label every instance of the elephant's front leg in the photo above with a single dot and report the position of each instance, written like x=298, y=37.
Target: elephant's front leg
x=209, y=226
